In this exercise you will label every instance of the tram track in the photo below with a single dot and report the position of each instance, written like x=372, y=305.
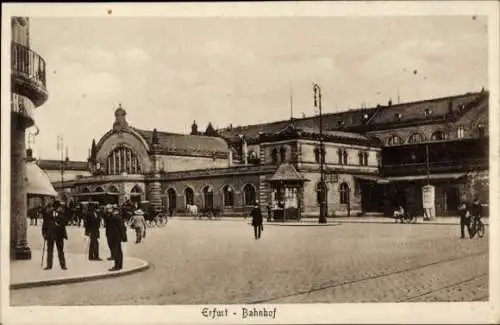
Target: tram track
x=374, y=277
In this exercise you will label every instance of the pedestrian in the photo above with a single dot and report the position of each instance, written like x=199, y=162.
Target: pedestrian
x=92, y=224
x=256, y=215
x=107, y=219
x=138, y=223
x=117, y=234
x=464, y=215
x=269, y=212
x=54, y=232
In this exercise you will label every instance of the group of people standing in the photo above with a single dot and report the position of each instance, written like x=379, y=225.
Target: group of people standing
x=56, y=217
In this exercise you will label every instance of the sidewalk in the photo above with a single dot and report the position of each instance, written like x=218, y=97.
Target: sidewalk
x=30, y=273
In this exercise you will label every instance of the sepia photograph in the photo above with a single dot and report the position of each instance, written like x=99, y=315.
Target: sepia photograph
x=246, y=164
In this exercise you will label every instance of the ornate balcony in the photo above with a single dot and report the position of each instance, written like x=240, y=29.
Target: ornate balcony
x=463, y=165
x=28, y=74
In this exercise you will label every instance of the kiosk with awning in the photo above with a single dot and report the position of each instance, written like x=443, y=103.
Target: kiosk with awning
x=38, y=185
x=287, y=186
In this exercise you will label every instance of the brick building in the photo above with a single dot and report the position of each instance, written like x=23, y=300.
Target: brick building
x=28, y=91
x=375, y=158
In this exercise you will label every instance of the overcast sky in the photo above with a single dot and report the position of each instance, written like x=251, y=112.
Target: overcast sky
x=167, y=72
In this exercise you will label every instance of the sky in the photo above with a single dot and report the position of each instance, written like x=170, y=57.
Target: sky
x=167, y=72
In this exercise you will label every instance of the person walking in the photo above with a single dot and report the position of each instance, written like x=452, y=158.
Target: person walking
x=54, y=232
x=138, y=223
x=256, y=215
x=463, y=213
x=92, y=224
x=269, y=212
x=117, y=234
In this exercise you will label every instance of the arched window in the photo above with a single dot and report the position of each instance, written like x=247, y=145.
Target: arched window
x=208, y=195
x=438, y=135
x=172, y=198
x=345, y=157
x=85, y=190
x=123, y=160
x=228, y=196
x=344, y=193
x=461, y=132
x=339, y=154
x=316, y=155
x=365, y=157
x=189, y=196
x=274, y=156
x=321, y=192
x=282, y=155
x=249, y=194
x=99, y=189
x=415, y=138
x=112, y=189
x=394, y=140
x=136, y=189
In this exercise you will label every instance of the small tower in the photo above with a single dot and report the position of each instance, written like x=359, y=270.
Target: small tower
x=210, y=131
x=120, y=123
x=194, y=128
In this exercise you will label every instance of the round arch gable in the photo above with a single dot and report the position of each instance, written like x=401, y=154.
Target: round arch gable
x=110, y=133
x=130, y=140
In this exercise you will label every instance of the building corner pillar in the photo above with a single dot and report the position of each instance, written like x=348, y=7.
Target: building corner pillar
x=19, y=249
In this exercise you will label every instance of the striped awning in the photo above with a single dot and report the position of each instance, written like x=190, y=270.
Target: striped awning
x=38, y=182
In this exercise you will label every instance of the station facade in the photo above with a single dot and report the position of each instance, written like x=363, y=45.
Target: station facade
x=374, y=159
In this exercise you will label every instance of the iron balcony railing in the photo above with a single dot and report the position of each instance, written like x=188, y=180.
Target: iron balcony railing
x=27, y=62
x=443, y=166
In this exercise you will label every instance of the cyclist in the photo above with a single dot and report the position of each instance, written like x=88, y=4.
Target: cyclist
x=464, y=215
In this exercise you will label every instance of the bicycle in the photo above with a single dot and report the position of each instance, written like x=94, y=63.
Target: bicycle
x=477, y=227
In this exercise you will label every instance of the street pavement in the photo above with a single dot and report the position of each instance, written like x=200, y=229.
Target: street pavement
x=219, y=262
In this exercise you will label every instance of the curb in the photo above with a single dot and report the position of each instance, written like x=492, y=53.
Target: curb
x=75, y=279
x=304, y=224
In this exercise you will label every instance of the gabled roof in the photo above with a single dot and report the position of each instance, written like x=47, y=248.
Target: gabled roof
x=287, y=172
x=68, y=165
x=186, y=143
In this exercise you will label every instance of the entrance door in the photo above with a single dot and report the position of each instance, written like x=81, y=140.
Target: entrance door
x=172, y=199
x=452, y=198
x=208, y=194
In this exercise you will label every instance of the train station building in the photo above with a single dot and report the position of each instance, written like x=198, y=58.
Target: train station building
x=374, y=159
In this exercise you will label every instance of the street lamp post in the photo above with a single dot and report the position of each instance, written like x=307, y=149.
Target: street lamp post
x=323, y=207
x=60, y=146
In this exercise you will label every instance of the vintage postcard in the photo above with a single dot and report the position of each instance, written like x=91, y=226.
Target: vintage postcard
x=263, y=163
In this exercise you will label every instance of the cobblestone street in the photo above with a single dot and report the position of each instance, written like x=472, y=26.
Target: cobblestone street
x=219, y=262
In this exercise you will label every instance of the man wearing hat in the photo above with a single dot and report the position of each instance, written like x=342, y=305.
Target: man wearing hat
x=54, y=232
x=92, y=225
x=256, y=215
x=107, y=217
x=117, y=233
x=138, y=223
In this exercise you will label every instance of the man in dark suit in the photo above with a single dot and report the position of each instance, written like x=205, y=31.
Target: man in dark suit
x=92, y=224
x=54, y=232
x=107, y=217
x=463, y=212
x=117, y=233
x=256, y=215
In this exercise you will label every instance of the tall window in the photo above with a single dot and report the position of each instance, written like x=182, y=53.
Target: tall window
x=415, y=138
x=249, y=194
x=282, y=155
x=481, y=130
x=365, y=158
x=438, y=135
x=123, y=159
x=460, y=132
x=274, y=156
x=172, y=198
x=189, y=196
x=345, y=157
x=228, y=196
x=360, y=157
x=344, y=193
x=394, y=140
x=339, y=154
x=316, y=155
x=208, y=195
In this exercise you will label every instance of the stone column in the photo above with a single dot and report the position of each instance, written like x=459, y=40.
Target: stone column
x=19, y=249
x=154, y=194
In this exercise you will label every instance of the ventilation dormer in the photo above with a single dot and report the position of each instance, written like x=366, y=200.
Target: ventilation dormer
x=428, y=112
